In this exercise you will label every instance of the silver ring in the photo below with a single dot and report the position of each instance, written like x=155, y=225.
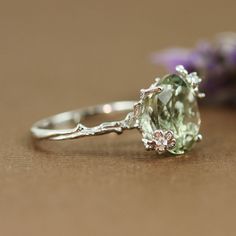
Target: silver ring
x=167, y=116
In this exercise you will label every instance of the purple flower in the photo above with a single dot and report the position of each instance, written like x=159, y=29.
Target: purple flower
x=215, y=62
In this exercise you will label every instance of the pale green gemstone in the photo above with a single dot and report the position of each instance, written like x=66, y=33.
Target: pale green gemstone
x=176, y=109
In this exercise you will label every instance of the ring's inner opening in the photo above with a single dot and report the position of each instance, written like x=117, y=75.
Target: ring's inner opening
x=88, y=120
x=91, y=116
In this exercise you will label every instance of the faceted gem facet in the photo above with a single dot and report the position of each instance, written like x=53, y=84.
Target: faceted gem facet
x=175, y=108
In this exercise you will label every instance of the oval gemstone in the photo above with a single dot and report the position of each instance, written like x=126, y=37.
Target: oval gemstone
x=175, y=109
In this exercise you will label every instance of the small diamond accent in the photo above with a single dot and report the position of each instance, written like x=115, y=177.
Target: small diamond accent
x=194, y=79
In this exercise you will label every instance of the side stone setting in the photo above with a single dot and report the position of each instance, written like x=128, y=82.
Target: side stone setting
x=170, y=105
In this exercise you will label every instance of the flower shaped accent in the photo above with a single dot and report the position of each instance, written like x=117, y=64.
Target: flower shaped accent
x=161, y=141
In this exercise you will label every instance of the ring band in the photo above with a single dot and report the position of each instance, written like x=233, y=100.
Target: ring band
x=167, y=116
x=47, y=128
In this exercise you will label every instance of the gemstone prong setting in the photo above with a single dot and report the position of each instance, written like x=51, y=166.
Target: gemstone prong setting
x=172, y=112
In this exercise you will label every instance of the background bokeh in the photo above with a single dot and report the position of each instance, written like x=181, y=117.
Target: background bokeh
x=60, y=55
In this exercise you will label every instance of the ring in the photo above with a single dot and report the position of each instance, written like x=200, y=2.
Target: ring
x=167, y=116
